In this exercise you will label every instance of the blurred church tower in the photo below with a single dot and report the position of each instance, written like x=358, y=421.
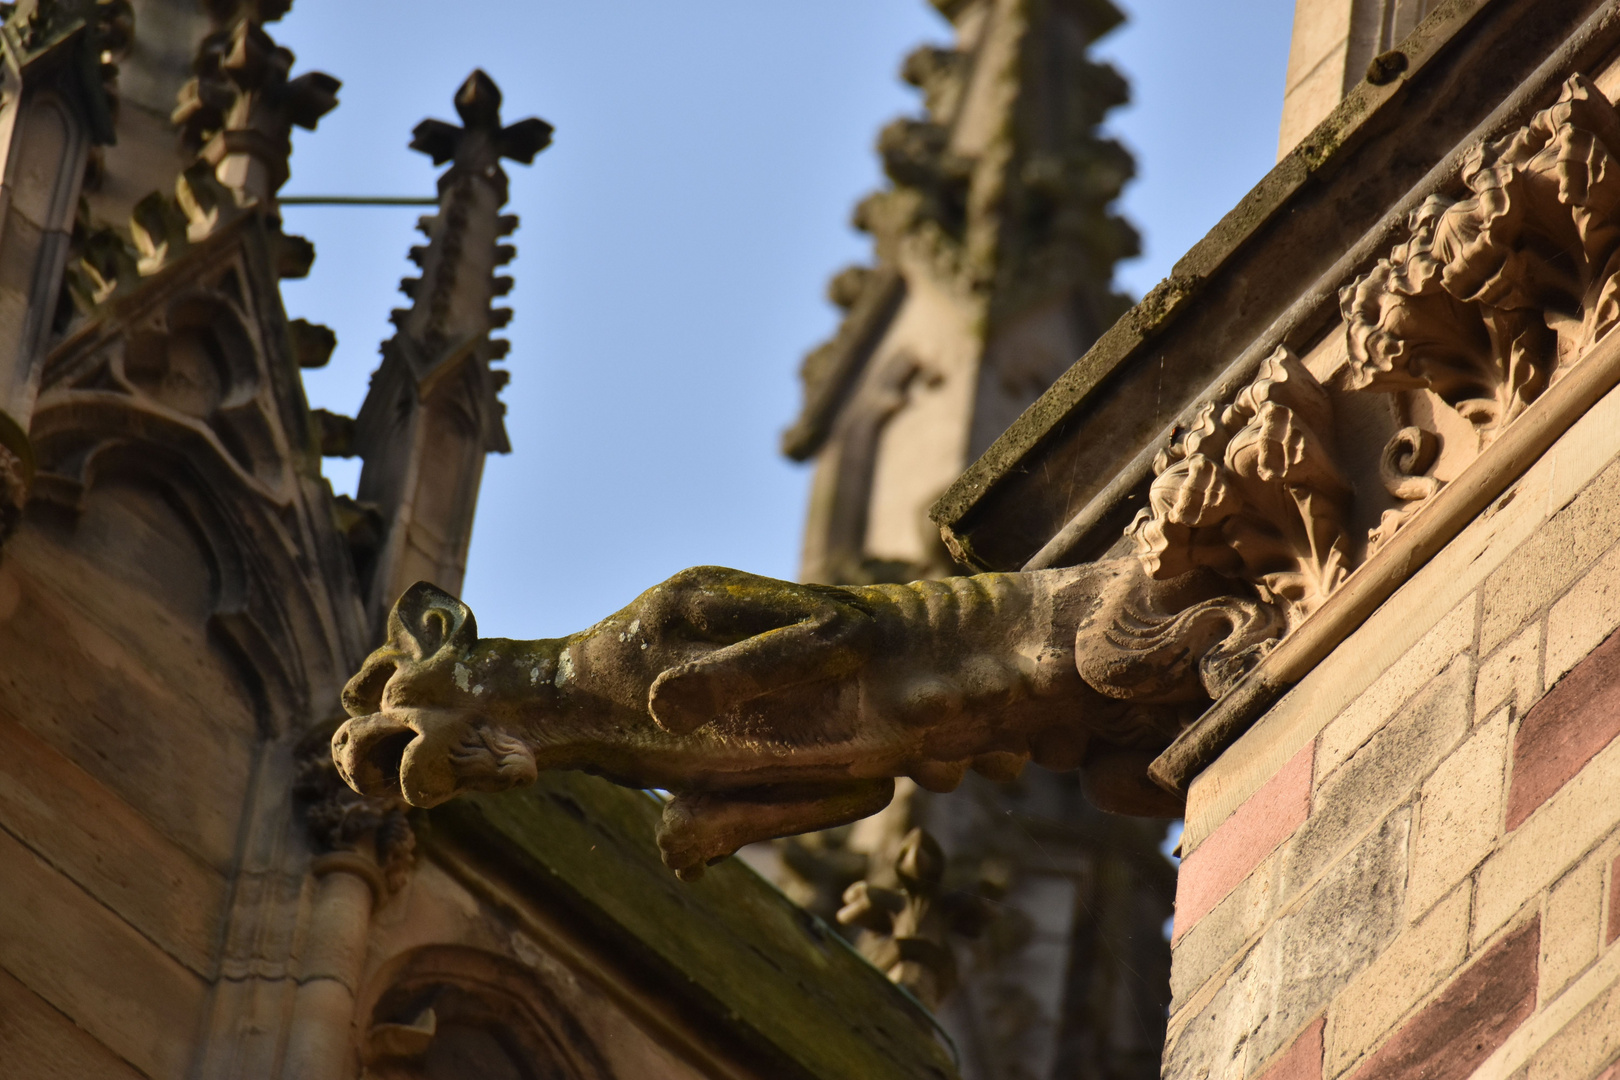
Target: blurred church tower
x=994, y=250
x=993, y=254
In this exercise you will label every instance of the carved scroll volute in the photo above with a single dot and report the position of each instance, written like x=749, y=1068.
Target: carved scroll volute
x=1492, y=292
x=1254, y=495
x=1404, y=469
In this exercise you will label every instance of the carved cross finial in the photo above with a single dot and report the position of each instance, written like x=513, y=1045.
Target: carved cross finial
x=453, y=295
x=481, y=142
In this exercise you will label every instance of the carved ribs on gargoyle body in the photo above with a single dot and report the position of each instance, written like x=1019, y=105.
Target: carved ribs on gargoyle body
x=1253, y=493
x=1491, y=293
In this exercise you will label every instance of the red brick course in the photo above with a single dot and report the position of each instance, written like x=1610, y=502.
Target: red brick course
x=1301, y=1061
x=1565, y=730
x=1471, y=1018
x=1614, y=902
x=1237, y=845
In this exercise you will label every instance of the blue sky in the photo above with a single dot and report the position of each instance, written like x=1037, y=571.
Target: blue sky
x=676, y=239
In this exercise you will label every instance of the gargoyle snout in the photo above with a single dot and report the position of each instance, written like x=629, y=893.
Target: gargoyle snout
x=369, y=752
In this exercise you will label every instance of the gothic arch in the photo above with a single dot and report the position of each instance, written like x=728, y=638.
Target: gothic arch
x=443, y=1012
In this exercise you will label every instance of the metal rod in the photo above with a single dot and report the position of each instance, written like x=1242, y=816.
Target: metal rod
x=356, y=200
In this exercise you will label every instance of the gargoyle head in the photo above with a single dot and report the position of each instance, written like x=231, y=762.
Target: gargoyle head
x=423, y=721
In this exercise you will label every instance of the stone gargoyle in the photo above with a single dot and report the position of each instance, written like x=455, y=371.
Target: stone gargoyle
x=767, y=708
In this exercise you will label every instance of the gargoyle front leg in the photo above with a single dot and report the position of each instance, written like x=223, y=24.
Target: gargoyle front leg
x=699, y=829
x=813, y=633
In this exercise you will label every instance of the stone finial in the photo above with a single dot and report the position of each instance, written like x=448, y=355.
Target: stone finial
x=239, y=110
x=435, y=397
x=481, y=141
x=453, y=295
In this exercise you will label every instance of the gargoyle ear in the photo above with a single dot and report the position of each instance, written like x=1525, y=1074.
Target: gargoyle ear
x=426, y=619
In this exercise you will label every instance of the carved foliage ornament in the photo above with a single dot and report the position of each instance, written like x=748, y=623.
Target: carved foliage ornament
x=1254, y=494
x=1493, y=291
x=1490, y=295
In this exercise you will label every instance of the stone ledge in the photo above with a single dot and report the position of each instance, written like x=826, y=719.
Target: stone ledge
x=727, y=963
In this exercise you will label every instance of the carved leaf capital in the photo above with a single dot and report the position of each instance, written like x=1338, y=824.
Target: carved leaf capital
x=1256, y=495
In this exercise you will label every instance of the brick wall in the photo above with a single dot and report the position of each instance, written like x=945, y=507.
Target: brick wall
x=1411, y=867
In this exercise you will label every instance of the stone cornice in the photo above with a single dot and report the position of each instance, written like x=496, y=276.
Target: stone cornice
x=1476, y=70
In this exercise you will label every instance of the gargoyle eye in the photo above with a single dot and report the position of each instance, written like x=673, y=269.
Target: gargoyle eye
x=432, y=630
x=363, y=694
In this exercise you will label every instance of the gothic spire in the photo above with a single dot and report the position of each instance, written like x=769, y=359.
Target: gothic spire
x=433, y=410
x=999, y=196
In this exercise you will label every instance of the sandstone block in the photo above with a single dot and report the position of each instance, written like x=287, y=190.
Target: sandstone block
x=1584, y=616
x=39, y=1043
x=1297, y=965
x=1511, y=675
x=93, y=968
x=1555, y=555
x=1416, y=962
x=1548, y=843
x=1337, y=930
x=1234, y=849
x=1577, y=718
x=1382, y=775
x=1319, y=34
x=1459, y=814
x=1612, y=931
x=166, y=708
x=1470, y=1018
x=1308, y=101
x=111, y=851
x=1585, y=1044
x=1222, y=934
x=1214, y=1044
x=1571, y=925
x=1373, y=708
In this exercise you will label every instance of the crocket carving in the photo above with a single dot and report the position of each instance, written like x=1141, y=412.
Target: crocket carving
x=768, y=708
